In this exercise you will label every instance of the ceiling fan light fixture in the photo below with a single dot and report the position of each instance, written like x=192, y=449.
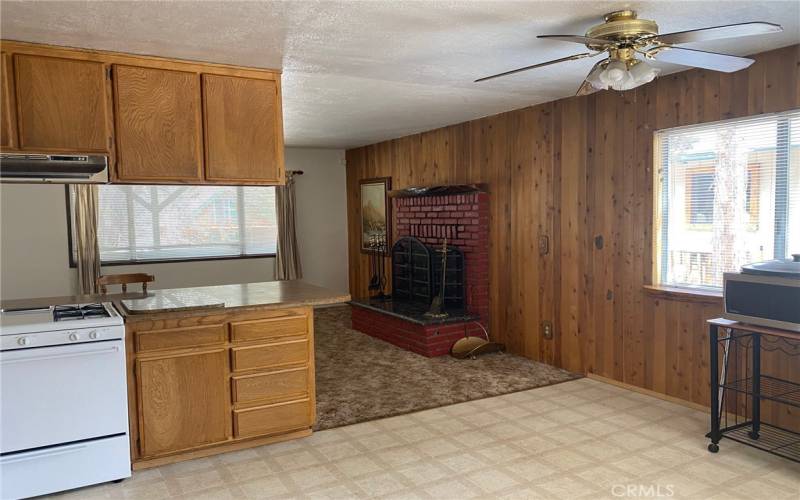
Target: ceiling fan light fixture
x=594, y=77
x=622, y=75
x=615, y=73
x=643, y=73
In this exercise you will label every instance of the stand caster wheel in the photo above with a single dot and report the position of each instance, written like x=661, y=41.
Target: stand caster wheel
x=713, y=447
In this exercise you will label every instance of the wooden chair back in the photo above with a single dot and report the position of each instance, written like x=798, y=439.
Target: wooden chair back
x=124, y=279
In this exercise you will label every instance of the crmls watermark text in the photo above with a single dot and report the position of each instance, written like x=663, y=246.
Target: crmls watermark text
x=643, y=490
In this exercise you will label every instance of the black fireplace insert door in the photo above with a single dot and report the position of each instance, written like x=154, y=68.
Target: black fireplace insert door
x=417, y=274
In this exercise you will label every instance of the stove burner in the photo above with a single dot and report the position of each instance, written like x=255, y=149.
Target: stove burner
x=86, y=311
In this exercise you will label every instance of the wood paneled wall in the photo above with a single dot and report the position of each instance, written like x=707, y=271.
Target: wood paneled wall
x=580, y=171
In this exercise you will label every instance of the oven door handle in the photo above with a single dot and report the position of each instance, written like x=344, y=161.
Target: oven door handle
x=63, y=450
x=23, y=359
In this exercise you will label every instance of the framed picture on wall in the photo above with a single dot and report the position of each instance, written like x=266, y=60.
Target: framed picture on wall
x=375, y=214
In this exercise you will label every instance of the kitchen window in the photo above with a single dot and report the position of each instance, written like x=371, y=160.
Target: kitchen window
x=727, y=194
x=175, y=223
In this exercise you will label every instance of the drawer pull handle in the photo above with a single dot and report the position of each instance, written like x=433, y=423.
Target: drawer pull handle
x=41, y=454
x=60, y=356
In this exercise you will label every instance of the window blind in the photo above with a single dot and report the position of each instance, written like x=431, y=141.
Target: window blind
x=151, y=223
x=727, y=194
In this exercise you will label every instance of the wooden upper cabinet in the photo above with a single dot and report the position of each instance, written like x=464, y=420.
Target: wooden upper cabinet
x=62, y=104
x=8, y=116
x=243, y=130
x=160, y=121
x=184, y=401
x=158, y=125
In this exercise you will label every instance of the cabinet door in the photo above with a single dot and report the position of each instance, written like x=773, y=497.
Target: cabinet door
x=243, y=130
x=8, y=115
x=62, y=104
x=158, y=124
x=184, y=401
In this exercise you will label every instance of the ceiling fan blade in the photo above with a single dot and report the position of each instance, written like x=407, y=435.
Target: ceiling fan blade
x=526, y=68
x=701, y=59
x=718, y=32
x=586, y=87
x=585, y=40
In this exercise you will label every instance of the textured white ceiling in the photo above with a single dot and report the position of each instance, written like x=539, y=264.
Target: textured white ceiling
x=357, y=72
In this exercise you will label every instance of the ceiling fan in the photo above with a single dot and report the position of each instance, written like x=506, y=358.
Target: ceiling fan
x=624, y=37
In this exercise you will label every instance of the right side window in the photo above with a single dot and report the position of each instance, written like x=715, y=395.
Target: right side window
x=727, y=194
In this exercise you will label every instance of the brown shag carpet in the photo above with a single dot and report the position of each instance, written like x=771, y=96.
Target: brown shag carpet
x=362, y=378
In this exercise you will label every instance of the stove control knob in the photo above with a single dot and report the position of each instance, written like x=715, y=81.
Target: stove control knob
x=94, y=335
x=73, y=336
x=24, y=341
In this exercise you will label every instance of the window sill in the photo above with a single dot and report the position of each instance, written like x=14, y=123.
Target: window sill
x=73, y=264
x=683, y=294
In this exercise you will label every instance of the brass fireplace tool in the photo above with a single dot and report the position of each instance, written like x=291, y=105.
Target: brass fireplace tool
x=437, y=305
x=377, y=282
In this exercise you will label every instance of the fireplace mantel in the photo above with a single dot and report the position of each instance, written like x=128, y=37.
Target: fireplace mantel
x=417, y=191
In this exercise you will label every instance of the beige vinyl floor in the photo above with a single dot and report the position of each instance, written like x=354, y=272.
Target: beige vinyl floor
x=579, y=439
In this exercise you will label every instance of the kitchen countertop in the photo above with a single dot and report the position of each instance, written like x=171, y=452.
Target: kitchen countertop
x=268, y=294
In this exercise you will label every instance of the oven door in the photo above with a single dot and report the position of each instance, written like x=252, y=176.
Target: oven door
x=62, y=394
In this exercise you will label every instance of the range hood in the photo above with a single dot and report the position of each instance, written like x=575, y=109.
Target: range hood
x=53, y=168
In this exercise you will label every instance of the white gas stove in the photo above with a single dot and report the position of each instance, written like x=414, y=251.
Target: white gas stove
x=63, y=399
x=59, y=325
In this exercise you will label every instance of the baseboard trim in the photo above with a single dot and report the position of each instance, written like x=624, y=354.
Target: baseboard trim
x=648, y=392
x=217, y=449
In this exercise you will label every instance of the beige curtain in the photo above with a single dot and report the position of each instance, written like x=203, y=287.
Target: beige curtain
x=88, y=250
x=287, y=259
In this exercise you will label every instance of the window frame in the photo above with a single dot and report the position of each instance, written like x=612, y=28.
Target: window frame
x=73, y=264
x=660, y=224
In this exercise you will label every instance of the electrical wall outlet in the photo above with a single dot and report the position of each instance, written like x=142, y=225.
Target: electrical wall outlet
x=544, y=245
x=547, y=329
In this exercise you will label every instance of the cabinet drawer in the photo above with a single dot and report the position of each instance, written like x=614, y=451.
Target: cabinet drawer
x=176, y=338
x=270, y=419
x=281, y=326
x=274, y=385
x=289, y=352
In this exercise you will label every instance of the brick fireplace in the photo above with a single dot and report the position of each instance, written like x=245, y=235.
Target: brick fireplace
x=464, y=220
x=460, y=214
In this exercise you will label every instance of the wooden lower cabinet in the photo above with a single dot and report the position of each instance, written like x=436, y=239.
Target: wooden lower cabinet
x=183, y=401
x=196, y=388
